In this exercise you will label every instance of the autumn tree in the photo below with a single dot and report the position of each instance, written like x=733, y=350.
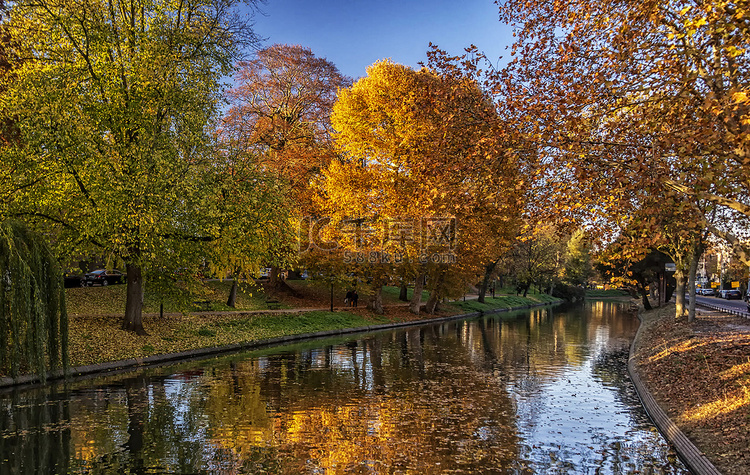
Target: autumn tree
x=638, y=98
x=633, y=267
x=424, y=153
x=12, y=175
x=115, y=102
x=250, y=213
x=578, y=267
x=536, y=258
x=280, y=112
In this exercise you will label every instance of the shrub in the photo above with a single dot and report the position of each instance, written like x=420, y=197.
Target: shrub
x=569, y=293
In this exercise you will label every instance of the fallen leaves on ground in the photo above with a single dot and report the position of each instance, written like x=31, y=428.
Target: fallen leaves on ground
x=699, y=373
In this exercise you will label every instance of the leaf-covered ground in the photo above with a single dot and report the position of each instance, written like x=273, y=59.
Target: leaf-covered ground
x=699, y=373
x=96, y=336
x=97, y=339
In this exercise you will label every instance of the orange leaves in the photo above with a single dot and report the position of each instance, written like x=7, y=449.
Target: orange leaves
x=280, y=110
x=419, y=144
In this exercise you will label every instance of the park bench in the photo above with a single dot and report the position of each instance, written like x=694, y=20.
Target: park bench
x=273, y=304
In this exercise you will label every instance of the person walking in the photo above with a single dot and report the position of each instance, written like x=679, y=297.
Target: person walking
x=355, y=297
x=348, y=300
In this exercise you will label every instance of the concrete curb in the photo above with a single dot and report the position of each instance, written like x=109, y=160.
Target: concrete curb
x=101, y=369
x=696, y=461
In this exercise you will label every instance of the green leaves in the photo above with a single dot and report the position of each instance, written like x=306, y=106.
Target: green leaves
x=33, y=319
x=116, y=102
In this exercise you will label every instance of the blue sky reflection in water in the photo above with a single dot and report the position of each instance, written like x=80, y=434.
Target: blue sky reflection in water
x=536, y=392
x=584, y=416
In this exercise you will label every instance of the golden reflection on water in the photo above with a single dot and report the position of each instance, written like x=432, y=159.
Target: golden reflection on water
x=463, y=397
x=432, y=422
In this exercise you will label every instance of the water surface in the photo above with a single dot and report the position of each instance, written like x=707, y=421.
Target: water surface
x=541, y=391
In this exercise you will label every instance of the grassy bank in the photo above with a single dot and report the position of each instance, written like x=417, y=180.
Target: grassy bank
x=98, y=339
x=95, y=313
x=605, y=294
x=503, y=302
x=110, y=300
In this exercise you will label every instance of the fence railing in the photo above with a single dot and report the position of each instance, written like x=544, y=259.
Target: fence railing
x=731, y=311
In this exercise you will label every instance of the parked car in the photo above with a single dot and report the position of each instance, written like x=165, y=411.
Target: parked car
x=72, y=280
x=706, y=291
x=731, y=294
x=102, y=277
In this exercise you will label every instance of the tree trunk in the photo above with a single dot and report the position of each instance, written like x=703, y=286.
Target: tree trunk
x=274, y=279
x=133, y=320
x=232, y=300
x=679, y=292
x=694, y=258
x=489, y=269
x=644, y=297
x=416, y=299
x=375, y=302
x=435, y=294
x=403, y=292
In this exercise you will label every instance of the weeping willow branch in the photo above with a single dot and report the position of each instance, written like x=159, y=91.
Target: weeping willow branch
x=33, y=318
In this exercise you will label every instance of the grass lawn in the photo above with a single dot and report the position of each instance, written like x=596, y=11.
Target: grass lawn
x=96, y=313
x=98, y=339
x=612, y=293
x=110, y=300
x=391, y=293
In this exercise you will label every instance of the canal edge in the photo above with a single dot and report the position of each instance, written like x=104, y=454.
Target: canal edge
x=696, y=461
x=132, y=364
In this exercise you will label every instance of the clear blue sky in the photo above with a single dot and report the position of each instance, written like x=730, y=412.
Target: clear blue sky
x=354, y=34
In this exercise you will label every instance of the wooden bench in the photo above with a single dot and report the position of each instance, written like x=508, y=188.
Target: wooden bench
x=273, y=304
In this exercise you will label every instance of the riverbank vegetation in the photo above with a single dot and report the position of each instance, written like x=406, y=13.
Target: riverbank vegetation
x=699, y=373
x=96, y=338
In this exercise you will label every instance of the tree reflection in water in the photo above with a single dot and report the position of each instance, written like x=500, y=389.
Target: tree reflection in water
x=538, y=391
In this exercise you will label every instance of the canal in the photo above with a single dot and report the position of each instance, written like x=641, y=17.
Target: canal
x=539, y=391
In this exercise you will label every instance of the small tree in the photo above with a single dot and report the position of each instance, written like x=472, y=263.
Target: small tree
x=33, y=320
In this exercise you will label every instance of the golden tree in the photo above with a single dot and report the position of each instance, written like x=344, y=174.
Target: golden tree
x=428, y=166
x=634, y=99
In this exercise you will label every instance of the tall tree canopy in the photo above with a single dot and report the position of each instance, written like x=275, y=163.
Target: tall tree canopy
x=115, y=101
x=635, y=99
x=280, y=114
x=281, y=108
x=420, y=147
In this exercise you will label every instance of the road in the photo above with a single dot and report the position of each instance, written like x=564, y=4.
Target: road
x=733, y=306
